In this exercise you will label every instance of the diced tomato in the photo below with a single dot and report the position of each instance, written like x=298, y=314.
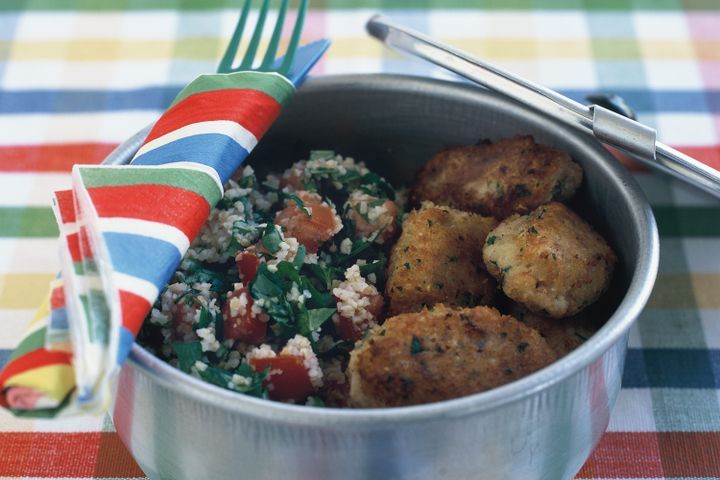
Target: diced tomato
x=242, y=325
x=346, y=328
x=309, y=231
x=387, y=222
x=291, y=382
x=247, y=264
x=376, y=306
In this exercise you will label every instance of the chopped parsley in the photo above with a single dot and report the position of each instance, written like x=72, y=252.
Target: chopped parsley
x=224, y=378
x=271, y=238
x=218, y=275
x=532, y=230
x=299, y=203
x=325, y=274
x=314, y=401
x=311, y=320
x=271, y=290
x=322, y=154
x=187, y=354
x=416, y=346
x=358, y=210
x=373, y=184
x=245, y=227
x=376, y=267
x=491, y=240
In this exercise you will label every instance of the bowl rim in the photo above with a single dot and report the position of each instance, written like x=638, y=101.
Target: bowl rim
x=634, y=300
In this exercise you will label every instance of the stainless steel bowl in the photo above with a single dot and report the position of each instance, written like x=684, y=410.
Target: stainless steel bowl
x=543, y=426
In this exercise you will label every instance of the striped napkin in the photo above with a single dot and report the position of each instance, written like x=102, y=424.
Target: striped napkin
x=124, y=230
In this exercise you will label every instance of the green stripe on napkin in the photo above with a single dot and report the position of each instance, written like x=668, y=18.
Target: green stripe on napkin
x=270, y=84
x=186, y=178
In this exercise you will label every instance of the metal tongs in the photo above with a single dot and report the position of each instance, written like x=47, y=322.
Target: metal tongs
x=611, y=128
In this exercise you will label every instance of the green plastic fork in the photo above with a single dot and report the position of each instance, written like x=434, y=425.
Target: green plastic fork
x=269, y=63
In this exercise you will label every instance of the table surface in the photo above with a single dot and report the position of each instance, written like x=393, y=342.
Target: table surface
x=75, y=81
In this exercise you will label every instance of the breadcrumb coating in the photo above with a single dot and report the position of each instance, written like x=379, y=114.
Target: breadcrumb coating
x=550, y=260
x=438, y=259
x=512, y=175
x=442, y=353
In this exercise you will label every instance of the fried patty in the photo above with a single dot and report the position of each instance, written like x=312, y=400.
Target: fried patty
x=513, y=175
x=563, y=335
x=438, y=259
x=551, y=261
x=442, y=353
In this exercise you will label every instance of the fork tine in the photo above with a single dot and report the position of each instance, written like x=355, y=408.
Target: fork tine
x=294, y=39
x=255, y=40
x=232, y=48
x=275, y=39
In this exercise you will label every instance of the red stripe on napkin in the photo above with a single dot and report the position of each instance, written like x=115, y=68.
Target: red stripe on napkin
x=252, y=109
x=66, y=205
x=73, y=244
x=180, y=208
x=35, y=359
x=83, y=455
x=134, y=310
x=52, y=157
x=57, y=298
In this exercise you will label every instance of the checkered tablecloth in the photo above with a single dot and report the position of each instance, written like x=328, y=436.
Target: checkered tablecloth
x=77, y=77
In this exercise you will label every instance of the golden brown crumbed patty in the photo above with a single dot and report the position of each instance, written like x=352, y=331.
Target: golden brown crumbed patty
x=550, y=260
x=442, y=353
x=513, y=175
x=438, y=259
x=563, y=335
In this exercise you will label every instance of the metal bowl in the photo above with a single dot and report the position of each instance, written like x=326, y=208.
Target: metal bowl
x=543, y=426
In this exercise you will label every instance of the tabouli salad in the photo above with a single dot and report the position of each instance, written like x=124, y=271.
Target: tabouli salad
x=283, y=279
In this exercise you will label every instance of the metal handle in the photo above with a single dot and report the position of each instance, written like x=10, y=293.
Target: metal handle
x=613, y=129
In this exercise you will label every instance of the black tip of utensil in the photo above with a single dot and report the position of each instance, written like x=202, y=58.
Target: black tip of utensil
x=612, y=102
x=376, y=27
